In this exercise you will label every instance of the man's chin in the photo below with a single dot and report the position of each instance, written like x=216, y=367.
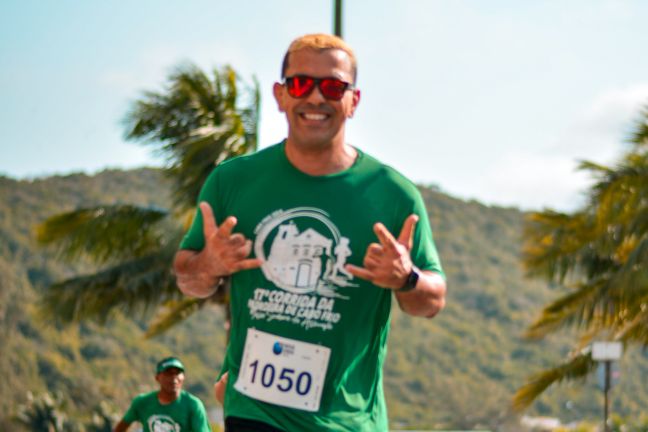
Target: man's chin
x=314, y=141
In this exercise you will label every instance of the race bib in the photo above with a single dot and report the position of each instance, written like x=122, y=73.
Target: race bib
x=282, y=371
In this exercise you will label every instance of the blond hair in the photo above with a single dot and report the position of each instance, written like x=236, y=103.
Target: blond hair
x=319, y=42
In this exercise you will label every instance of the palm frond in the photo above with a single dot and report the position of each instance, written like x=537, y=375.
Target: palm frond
x=196, y=124
x=193, y=83
x=173, y=312
x=557, y=245
x=250, y=114
x=640, y=135
x=103, y=233
x=636, y=330
x=198, y=155
x=576, y=367
x=134, y=286
x=575, y=307
x=630, y=281
x=231, y=91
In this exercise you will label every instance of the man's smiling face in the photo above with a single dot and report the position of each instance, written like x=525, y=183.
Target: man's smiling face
x=315, y=122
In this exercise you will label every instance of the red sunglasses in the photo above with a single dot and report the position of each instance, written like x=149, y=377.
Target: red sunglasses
x=300, y=86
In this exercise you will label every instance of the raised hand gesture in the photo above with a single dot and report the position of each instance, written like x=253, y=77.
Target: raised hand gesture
x=388, y=263
x=225, y=253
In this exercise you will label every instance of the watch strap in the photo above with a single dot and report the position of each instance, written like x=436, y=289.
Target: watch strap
x=411, y=281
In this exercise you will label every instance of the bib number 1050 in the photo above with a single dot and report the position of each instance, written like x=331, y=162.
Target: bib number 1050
x=282, y=371
x=285, y=380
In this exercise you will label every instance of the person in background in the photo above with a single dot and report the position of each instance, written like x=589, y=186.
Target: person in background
x=169, y=409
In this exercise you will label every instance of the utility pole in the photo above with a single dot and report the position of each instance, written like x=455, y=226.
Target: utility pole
x=337, y=18
x=606, y=392
x=606, y=354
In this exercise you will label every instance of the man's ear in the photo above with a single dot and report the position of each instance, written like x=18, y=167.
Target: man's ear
x=278, y=91
x=354, y=105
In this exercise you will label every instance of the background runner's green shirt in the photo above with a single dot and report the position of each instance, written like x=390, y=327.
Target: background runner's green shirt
x=306, y=228
x=185, y=414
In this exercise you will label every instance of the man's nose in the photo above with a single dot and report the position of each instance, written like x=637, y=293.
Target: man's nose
x=316, y=96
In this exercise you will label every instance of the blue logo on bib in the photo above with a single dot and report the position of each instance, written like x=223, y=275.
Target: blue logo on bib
x=277, y=348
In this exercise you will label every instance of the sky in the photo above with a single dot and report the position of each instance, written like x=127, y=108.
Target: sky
x=495, y=100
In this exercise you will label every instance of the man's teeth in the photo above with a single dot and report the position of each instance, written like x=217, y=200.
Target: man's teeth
x=310, y=116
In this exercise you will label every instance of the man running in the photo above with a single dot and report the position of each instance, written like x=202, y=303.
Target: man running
x=316, y=237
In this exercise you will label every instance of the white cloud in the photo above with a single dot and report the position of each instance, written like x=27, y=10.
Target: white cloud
x=549, y=177
x=534, y=181
x=599, y=131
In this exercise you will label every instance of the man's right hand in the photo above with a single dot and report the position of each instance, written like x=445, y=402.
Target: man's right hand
x=224, y=253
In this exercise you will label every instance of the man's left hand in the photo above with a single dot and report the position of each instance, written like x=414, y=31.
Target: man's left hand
x=388, y=263
x=219, y=388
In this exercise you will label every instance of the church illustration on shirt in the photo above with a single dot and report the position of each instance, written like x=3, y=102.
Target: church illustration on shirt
x=297, y=258
x=305, y=261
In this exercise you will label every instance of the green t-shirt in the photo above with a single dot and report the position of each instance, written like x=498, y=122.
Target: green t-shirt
x=185, y=414
x=306, y=228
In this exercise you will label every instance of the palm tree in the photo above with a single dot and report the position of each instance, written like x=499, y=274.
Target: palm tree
x=103, y=419
x=600, y=253
x=196, y=123
x=44, y=413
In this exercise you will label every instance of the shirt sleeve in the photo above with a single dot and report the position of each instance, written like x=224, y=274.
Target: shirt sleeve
x=132, y=414
x=199, y=422
x=424, y=252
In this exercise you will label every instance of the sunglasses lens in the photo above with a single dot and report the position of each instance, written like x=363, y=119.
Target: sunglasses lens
x=300, y=86
x=333, y=88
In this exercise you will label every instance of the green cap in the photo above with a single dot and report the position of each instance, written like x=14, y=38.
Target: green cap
x=169, y=362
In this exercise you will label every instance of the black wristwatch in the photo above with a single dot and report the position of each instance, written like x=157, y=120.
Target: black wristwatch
x=411, y=281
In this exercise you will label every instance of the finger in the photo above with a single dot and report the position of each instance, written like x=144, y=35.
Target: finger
x=248, y=264
x=240, y=253
x=374, y=249
x=225, y=230
x=370, y=263
x=237, y=240
x=386, y=238
x=243, y=251
x=407, y=232
x=360, y=272
x=209, y=223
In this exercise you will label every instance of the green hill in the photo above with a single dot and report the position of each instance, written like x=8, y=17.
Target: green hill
x=458, y=370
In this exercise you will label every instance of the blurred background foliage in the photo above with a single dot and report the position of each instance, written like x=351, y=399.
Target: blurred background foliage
x=458, y=370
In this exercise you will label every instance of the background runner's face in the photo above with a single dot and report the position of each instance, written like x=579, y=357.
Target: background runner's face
x=170, y=380
x=313, y=121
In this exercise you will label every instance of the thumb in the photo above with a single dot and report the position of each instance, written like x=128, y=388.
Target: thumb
x=406, y=235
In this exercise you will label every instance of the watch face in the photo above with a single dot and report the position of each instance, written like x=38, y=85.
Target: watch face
x=412, y=280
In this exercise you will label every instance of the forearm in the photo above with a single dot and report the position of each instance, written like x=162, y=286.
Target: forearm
x=193, y=276
x=427, y=299
x=122, y=426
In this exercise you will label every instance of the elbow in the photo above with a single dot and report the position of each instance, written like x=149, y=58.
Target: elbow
x=423, y=309
x=439, y=302
x=437, y=307
x=176, y=269
x=183, y=287
x=178, y=263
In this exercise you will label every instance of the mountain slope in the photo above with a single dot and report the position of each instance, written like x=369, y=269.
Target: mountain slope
x=457, y=370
